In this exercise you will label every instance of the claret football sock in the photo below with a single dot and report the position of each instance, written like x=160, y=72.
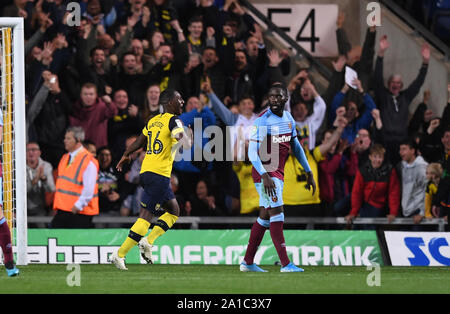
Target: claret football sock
x=276, y=232
x=5, y=243
x=256, y=236
x=137, y=231
x=164, y=223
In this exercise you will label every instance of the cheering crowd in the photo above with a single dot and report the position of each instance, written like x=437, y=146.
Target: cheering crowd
x=105, y=75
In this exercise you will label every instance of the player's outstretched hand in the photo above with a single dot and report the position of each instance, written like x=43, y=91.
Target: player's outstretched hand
x=310, y=183
x=122, y=161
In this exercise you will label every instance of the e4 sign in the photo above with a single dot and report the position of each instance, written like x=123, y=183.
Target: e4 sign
x=313, y=26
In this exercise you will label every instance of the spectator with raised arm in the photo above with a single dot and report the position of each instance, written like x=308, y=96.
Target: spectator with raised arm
x=394, y=101
x=359, y=115
x=307, y=119
x=191, y=170
x=330, y=178
x=168, y=72
x=214, y=66
x=143, y=64
x=127, y=77
x=242, y=120
x=358, y=58
x=298, y=199
x=96, y=71
x=430, y=144
x=48, y=118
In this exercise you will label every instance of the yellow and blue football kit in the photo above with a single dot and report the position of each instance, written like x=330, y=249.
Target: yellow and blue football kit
x=155, y=179
x=157, y=165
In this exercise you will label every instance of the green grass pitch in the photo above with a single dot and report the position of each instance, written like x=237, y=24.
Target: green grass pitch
x=207, y=279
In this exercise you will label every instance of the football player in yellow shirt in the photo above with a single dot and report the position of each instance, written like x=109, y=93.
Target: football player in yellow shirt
x=161, y=134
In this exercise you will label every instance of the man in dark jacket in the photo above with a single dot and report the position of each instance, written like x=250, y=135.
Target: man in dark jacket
x=394, y=101
x=47, y=118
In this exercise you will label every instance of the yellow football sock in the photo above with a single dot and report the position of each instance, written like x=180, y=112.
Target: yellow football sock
x=137, y=231
x=164, y=223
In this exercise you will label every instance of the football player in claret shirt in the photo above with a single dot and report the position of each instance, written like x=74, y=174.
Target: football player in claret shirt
x=161, y=133
x=272, y=135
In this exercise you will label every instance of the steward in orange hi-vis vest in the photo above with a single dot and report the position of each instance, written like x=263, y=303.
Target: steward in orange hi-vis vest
x=69, y=183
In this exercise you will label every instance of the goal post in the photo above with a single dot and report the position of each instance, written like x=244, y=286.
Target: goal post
x=14, y=132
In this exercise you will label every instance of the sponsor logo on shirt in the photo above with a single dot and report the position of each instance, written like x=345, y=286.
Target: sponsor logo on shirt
x=281, y=139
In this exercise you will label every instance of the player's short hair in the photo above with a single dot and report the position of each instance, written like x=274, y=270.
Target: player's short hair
x=377, y=149
x=166, y=96
x=281, y=86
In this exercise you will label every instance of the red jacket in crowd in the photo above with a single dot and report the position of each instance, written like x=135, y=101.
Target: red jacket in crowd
x=378, y=187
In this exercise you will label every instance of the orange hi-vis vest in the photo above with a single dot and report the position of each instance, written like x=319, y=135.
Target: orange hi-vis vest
x=69, y=183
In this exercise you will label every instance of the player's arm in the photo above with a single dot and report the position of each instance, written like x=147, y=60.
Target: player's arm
x=253, y=148
x=138, y=143
x=180, y=133
x=301, y=157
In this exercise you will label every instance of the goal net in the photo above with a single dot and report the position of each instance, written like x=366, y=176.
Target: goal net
x=13, y=133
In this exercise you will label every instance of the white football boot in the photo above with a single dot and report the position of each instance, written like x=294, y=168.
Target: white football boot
x=119, y=262
x=146, y=250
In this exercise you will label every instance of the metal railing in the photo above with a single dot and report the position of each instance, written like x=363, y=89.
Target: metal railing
x=194, y=222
